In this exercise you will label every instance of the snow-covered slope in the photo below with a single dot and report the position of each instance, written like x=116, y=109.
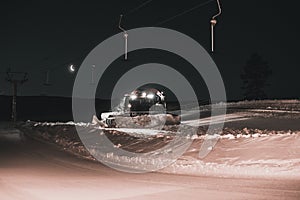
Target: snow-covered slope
x=260, y=139
x=275, y=156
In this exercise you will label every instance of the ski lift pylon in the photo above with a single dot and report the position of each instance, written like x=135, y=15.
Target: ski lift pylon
x=47, y=83
x=92, y=75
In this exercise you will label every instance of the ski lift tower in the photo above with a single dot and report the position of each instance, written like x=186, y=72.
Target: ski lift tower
x=15, y=79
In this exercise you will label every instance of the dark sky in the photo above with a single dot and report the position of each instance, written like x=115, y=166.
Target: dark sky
x=37, y=36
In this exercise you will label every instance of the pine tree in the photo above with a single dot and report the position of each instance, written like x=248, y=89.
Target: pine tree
x=254, y=76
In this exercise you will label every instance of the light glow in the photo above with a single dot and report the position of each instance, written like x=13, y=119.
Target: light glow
x=150, y=96
x=133, y=97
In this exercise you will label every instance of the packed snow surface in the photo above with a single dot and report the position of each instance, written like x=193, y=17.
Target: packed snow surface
x=257, y=154
x=244, y=149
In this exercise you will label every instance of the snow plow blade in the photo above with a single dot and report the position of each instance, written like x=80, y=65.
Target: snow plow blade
x=146, y=121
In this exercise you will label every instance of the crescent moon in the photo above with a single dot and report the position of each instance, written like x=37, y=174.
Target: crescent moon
x=72, y=68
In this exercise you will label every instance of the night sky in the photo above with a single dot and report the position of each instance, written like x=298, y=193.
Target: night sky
x=37, y=36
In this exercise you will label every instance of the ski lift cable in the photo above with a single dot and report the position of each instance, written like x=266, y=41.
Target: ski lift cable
x=138, y=8
x=57, y=65
x=120, y=26
x=184, y=12
x=220, y=10
x=162, y=22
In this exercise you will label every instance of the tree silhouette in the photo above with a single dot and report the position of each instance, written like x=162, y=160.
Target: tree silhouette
x=254, y=76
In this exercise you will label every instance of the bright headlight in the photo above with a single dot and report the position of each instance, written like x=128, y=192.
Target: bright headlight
x=133, y=97
x=150, y=96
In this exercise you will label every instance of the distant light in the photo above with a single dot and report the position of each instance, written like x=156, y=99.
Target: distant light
x=150, y=96
x=129, y=105
x=72, y=68
x=144, y=94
